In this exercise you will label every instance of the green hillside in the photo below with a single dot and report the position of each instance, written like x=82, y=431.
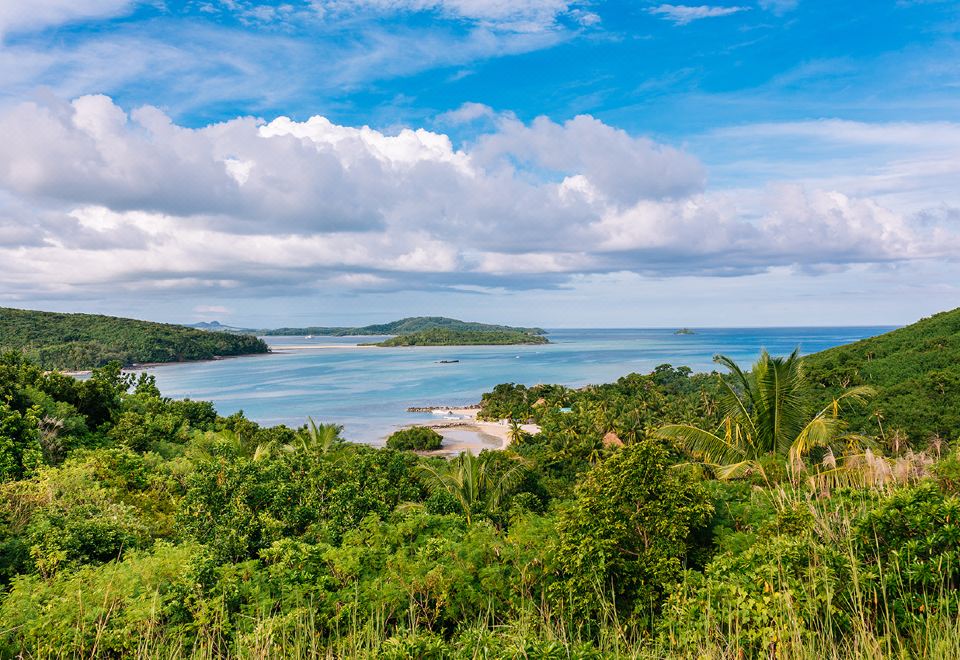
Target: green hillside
x=449, y=337
x=916, y=371
x=84, y=341
x=404, y=326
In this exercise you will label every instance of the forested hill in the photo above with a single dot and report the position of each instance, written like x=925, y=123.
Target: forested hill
x=404, y=326
x=915, y=370
x=84, y=341
x=447, y=337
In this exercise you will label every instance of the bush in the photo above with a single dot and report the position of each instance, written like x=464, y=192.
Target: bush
x=625, y=538
x=418, y=438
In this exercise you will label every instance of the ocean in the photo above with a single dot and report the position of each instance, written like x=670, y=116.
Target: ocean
x=368, y=390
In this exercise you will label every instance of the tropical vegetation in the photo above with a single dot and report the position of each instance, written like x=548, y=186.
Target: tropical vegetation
x=85, y=341
x=671, y=514
x=916, y=374
x=416, y=438
x=449, y=337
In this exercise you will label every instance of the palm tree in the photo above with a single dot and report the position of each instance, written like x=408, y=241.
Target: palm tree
x=516, y=432
x=470, y=481
x=321, y=437
x=765, y=414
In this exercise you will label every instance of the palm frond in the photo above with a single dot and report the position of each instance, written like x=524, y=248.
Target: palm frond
x=709, y=446
x=736, y=470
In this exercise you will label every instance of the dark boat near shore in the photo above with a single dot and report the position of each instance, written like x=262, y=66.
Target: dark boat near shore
x=447, y=361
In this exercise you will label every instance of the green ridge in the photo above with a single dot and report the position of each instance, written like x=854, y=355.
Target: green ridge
x=916, y=371
x=83, y=341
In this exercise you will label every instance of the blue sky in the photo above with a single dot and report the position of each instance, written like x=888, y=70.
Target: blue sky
x=546, y=162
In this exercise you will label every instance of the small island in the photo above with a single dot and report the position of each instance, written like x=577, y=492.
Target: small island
x=447, y=337
x=684, y=331
x=411, y=331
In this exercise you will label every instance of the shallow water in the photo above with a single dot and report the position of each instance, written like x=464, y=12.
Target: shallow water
x=369, y=389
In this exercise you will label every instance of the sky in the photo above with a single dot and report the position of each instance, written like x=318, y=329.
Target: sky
x=549, y=162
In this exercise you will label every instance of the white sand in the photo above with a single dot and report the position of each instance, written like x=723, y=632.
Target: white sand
x=310, y=347
x=469, y=433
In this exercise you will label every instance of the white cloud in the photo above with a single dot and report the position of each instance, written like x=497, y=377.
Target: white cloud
x=211, y=309
x=515, y=15
x=19, y=15
x=684, y=14
x=134, y=202
x=779, y=6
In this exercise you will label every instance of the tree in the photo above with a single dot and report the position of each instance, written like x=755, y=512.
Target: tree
x=470, y=481
x=417, y=438
x=628, y=531
x=766, y=413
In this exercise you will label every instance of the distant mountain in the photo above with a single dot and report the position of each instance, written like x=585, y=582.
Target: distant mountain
x=84, y=341
x=404, y=326
x=915, y=370
x=216, y=326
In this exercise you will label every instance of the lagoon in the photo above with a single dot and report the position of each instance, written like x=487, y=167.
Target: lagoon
x=368, y=390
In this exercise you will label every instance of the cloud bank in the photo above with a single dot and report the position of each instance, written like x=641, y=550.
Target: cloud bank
x=95, y=198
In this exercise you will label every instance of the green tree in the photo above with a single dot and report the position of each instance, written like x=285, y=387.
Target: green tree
x=624, y=539
x=20, y=450
x=766, y=413
x=418, y=438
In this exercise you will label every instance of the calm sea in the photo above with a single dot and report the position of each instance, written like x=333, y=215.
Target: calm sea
x=369, y=389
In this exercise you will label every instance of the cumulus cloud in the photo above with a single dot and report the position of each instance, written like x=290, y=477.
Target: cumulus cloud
x=683, y=14
x=133, y=201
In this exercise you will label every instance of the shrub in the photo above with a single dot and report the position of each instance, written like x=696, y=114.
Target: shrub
x=626, y=536
x=418, y=438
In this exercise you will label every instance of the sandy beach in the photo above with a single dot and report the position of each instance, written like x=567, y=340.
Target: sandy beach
x=308, y=347
x=462, y=431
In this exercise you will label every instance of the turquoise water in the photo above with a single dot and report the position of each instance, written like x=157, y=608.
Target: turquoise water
x=369, y=389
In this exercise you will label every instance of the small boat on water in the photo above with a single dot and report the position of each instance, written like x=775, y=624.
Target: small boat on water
x=447, y=361
x=309, y=337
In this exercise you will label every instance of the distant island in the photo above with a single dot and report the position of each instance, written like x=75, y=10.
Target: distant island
x=411, y=331
x=85, y=341
x=448, y=337
x=684, y=331
x=405, y=326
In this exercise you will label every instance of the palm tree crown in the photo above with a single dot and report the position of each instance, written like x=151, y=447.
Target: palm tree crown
x=470, y=480
x=766, y=412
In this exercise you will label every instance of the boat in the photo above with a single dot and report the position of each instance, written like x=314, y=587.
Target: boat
x=447, y=361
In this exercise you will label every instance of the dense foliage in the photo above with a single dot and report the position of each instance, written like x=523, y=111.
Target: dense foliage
x=84, y=341
x=450, y=337
x=916, y=372
x=417, y=438
x=135, y=525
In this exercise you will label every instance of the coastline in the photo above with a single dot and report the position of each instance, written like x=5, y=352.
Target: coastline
x=462, y=431
x=140, y=366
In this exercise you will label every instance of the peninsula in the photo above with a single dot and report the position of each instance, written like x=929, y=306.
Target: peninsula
x=86, y=341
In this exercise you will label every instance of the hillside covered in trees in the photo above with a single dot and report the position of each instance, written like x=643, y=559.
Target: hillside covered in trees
x=915, y=370
x=449, y=337
x=405, y=326
x=83, y=341
x=668, y=514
